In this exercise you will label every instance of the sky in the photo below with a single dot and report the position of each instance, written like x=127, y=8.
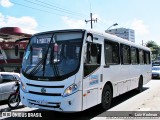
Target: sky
x=34, y=16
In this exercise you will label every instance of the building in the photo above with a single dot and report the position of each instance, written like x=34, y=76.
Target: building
x=8, y=60
x=123, y=33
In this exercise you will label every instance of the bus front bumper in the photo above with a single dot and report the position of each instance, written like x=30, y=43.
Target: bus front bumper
x=71, y=103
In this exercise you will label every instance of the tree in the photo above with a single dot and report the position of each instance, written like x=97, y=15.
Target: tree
x=155, y=48
x=152, y=44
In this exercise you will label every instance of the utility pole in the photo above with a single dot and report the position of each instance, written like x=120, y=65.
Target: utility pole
x=142, y=42
x=91, y=20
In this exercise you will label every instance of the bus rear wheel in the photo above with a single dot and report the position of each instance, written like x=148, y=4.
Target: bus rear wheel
x=140, y=85
x=106, y=97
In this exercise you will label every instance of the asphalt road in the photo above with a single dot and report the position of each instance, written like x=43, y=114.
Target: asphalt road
x=147, y=100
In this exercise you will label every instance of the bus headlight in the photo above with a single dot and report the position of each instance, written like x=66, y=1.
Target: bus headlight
x=70, y=90
x=23, y=87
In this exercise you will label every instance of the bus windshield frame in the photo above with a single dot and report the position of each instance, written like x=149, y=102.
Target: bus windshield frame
x=53, y=56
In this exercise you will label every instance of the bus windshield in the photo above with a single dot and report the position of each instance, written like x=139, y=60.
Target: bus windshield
x=52, y=55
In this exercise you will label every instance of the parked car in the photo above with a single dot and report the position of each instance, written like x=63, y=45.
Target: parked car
x=7, y=84
x=156, y=72
x=156, y=63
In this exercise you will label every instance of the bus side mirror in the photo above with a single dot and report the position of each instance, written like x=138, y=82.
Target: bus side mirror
x=94, y=50
x=16, y=50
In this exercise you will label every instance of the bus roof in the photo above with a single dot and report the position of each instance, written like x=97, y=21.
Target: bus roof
x=105, y=35
x=118, y=39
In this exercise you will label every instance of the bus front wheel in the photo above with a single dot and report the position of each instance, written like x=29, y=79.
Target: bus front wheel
x=106, y=97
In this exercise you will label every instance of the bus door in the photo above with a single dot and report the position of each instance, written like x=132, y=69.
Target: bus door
x=92, y=74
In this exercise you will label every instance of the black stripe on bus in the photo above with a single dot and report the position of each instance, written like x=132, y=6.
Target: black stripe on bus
x=62, y=86
x=45, y=94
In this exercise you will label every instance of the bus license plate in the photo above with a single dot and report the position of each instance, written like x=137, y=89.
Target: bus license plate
x=43, y=102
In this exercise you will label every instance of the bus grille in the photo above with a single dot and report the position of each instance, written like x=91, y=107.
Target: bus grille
x=46, y=87
x=45, y=94
x=61, y=86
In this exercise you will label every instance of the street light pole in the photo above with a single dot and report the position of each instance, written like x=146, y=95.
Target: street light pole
x=115, y=24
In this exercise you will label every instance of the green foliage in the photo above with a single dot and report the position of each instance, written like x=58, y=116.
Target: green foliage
x=155, y=48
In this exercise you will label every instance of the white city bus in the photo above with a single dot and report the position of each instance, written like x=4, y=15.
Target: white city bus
x=73, y=70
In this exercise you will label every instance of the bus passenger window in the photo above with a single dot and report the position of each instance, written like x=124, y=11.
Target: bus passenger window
x=147, y=57
x=93, y=54
x=111, y=53
x=134, y=55
x=125, y=54
x=141, y=56
x=93, y=58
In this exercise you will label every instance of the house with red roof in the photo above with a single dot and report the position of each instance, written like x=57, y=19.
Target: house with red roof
x=9, y=61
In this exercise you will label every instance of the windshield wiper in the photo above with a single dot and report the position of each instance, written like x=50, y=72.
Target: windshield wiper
x=54, y=66
x=36, y=68
x=43, y=61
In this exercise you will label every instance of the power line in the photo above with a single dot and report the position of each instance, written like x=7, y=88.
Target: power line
x=43, y=4
x=56, y=8
x=38, y=9
x=61, y=9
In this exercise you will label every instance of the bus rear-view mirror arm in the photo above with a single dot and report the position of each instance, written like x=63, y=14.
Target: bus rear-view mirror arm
x=17, y=47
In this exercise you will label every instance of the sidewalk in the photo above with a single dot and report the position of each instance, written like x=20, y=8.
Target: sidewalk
x=147, y=101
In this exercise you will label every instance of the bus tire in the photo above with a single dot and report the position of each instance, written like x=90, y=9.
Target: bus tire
x=140, y=85
x=106, y=97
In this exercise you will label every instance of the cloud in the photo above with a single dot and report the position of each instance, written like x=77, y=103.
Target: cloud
x=26, y=23
x=139, y=27
x=142, y=31
x=72, y=23
x=6, y=3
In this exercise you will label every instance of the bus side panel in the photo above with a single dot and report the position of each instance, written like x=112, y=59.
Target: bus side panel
x=90, y=89
x=135, y=75
x=112, y=74
x=124, y=78
x=147, y=73
x=92, y=84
